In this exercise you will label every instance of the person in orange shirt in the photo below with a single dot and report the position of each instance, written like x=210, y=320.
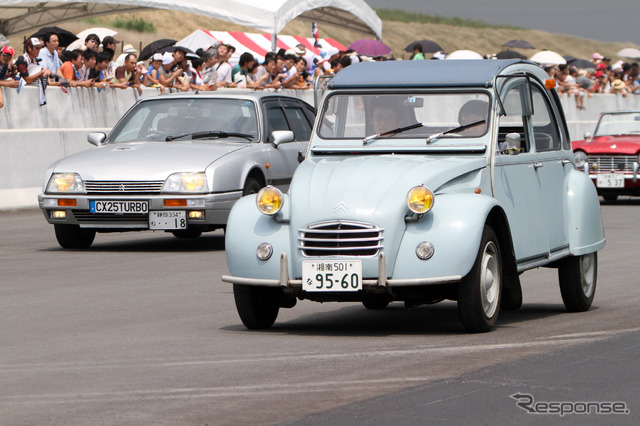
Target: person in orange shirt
x=70, y=70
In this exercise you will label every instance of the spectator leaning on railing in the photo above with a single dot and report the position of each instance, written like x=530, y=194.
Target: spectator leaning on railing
x=7, y=68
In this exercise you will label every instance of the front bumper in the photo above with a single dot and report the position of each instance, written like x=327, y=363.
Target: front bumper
x=381, y=281
x=215, y=207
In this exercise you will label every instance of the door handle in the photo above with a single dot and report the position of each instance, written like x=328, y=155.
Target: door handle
x=537, y=165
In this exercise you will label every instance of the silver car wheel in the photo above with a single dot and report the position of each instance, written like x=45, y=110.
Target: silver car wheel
x=490, y=279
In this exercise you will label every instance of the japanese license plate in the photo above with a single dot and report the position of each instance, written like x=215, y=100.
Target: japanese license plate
x=170, y=219
x=119, y=207
x=332, y=275
x=610, y=180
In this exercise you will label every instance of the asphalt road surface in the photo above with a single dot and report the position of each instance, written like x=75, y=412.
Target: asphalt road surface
x=140, y=330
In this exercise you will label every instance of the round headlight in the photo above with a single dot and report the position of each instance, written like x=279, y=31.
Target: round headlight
x=420, y=199
x=581, y=159
x=264, y=251
x=424, y=250
x=269, y=200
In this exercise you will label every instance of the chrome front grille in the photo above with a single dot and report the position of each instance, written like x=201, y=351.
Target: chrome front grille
x=340, y=238
x=137, y=187
x=611, y=163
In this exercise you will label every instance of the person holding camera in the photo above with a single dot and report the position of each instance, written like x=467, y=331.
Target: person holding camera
x=28, y=65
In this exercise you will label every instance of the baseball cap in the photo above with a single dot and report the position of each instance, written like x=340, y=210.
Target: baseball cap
x=109, y=39
x=156, y=57
x=597, y=56
x=601, y=66
x=167, y=58
x=36, y=42
x=8, y=50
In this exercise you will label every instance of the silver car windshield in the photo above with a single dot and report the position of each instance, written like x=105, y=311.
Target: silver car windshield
x=618, y=124
x=160, y=120
x=419, y=115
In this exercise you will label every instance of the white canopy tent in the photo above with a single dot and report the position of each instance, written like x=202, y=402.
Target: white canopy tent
x=270, y=16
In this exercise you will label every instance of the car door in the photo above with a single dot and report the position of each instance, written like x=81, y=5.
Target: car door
x=285, y=158
x=515, y=179
x=551, y=166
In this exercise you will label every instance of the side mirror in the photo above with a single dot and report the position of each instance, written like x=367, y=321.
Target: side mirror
x=96, y=138
x=512, y=145
x=588, y=135
x=282, y=136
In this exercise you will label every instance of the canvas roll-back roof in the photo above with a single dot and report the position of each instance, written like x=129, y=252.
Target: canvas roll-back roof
x=428, y=73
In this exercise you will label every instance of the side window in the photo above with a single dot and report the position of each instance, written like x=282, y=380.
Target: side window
x=513, y=121
x=298, y=122
x=545, y=130
x=276, y=119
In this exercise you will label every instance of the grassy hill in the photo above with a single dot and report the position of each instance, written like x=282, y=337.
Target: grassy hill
x=399, y=29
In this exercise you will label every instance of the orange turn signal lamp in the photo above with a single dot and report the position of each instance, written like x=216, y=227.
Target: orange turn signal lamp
x=550, y=83
x=67, y=202
x=175, y=203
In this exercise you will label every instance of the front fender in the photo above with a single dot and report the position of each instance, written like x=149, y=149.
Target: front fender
x=584, y=224
x=454, y=226
x=246, y=229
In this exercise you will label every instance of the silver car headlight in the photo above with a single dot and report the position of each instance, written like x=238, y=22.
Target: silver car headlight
x=65, y=183
x=186, y=182
x=581, y=159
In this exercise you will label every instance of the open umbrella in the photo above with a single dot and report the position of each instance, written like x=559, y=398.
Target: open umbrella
x=427, y=46
x=154, y=47
x=629, y=52
x=464, y=54
x=548, y=57
x=582, y=64
x=510, y=54
x=65, y=37
x=99, y=31
x=370, y=47
x=519, y=44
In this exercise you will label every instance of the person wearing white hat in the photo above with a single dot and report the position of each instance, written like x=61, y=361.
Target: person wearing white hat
x=154, y=71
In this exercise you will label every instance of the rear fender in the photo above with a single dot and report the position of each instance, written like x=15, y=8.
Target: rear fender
x=584, y=224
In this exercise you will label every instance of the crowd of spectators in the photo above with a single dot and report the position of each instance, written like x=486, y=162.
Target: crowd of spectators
x=602, y=77
x=44, y=62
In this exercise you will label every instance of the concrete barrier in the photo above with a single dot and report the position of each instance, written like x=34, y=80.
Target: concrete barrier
x=32, y=137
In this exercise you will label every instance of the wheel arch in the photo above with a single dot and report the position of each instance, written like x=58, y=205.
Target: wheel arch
x=497, y=220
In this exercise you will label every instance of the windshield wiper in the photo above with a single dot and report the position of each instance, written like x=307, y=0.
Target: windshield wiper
x=210, y=134
x=391, y=132
x=454, y=130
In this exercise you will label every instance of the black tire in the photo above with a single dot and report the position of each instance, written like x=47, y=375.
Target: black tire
x=610, y=197
x=479, y=292
x=72, y=236
x=578, y=276
x=258, y=307
x=511, y=299
x=251, y=186
x=375, y=302
x=187, y=233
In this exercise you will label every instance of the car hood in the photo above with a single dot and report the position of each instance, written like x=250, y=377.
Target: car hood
x=623, y=145
x=368, y=188
x=145, y=160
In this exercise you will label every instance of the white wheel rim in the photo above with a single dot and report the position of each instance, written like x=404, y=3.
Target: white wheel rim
x=587, y=270
x=490, y=279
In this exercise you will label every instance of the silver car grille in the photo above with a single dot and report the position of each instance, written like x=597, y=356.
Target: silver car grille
x=340, y=238
x=102, y=187
x=611, y=163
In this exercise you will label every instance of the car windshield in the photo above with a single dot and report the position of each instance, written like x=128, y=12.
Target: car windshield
x=618, y=124
x=160, y=120
x=399, y=116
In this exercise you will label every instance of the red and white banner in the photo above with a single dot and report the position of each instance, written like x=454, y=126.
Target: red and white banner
x=256, y=44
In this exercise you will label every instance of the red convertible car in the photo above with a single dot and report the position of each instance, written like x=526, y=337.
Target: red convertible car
x=611, y=156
